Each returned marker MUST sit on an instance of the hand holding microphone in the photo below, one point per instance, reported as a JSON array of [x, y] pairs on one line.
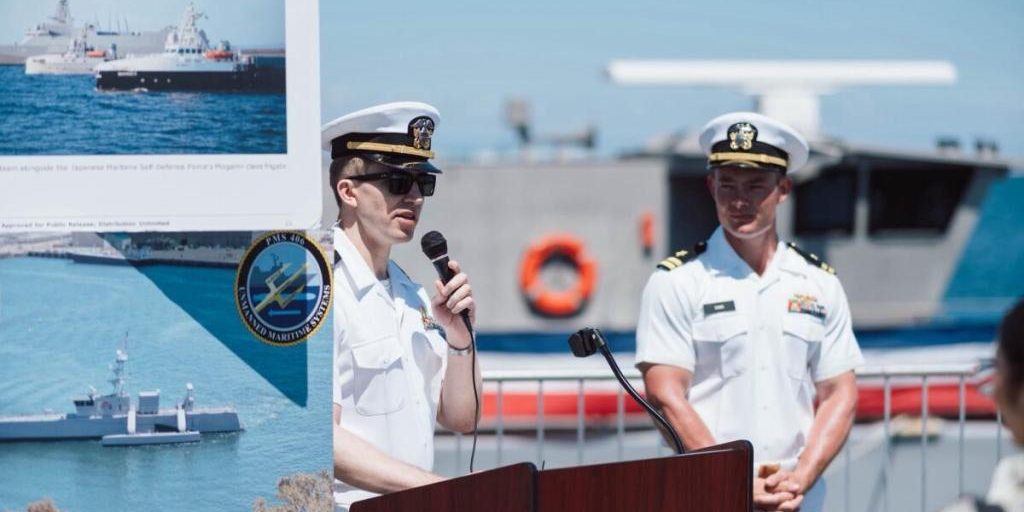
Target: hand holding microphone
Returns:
[[454, 296]]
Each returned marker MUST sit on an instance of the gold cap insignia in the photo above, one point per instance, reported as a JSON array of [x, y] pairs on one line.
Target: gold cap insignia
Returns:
[[742, 136], [421, 129]]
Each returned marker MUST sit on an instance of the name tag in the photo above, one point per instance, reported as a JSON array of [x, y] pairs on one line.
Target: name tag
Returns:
[[719, 307]]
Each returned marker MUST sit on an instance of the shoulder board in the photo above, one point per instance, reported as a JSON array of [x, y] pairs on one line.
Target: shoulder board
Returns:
[[680, 258], [813, 259]]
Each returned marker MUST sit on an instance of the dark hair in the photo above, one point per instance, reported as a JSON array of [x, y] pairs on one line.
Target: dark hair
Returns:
[[1011, 350]]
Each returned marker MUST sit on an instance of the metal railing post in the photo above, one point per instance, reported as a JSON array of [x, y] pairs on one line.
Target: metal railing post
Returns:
[[846, 476], [540, 423], [500, 429], [999, 435], [579, 424], [924, 443], [963, 419], [620, 422], [458, 453], [887, 426]]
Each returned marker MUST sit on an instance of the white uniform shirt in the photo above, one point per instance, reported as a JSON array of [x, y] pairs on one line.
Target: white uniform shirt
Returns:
[[388, 365], [755, 344]]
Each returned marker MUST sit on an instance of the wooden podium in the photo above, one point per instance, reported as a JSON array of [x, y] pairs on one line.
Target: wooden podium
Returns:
[[718, 478]]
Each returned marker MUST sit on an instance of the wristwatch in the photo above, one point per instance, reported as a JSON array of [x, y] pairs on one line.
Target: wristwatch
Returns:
[[455, 351]]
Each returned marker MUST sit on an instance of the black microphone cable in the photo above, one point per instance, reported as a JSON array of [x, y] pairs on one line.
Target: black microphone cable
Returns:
[[435, 247], [476, 396]]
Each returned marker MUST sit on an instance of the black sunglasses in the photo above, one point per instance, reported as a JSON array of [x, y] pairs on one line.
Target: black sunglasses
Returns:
[[400, 182]]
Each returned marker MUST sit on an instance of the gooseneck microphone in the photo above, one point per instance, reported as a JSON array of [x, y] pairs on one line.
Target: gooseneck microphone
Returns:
[[585, 342], [436, 248]]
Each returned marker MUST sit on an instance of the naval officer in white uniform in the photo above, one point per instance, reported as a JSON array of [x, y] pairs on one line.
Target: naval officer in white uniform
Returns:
[[401, 360], [737, 336]]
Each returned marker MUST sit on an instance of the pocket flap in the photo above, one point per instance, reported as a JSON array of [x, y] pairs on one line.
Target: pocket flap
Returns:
[[718, 330], [804, 327], [379, 354]]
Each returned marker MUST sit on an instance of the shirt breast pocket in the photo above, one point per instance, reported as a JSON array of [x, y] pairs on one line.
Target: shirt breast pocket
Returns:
[[378, 377], [801, 338], [719, 345]]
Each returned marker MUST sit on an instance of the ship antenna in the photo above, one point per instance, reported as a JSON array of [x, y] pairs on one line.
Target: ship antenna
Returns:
[[118, 380], [62, 13]]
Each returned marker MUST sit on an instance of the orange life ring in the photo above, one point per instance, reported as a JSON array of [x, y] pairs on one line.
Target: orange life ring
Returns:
[[561, 303]]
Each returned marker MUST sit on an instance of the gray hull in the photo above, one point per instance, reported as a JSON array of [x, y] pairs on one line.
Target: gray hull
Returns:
[[152, 438], [61, 426]]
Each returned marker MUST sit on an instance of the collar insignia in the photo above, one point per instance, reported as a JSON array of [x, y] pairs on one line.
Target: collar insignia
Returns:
[[428, 321], [806, 304], [742, 136], [421, 130]]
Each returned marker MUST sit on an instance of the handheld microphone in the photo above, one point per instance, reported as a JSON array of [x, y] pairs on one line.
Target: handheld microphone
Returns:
[[585, 342], [436, 248]]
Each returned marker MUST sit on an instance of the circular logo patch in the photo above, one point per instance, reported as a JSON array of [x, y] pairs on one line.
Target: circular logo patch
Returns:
[[283, 288]]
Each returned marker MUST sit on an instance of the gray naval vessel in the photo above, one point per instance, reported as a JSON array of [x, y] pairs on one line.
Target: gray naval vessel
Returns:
[[55, 34], [116, 421]]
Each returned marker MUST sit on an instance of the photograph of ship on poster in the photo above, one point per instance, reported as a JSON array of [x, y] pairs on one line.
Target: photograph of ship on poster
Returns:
[[132, 384], [201, 78]]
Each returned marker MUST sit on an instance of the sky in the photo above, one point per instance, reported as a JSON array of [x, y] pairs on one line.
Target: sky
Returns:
[[468, 57], [263, 19]]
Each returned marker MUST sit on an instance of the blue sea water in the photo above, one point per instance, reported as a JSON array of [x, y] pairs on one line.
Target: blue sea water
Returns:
[[60, 323], [66, 115]]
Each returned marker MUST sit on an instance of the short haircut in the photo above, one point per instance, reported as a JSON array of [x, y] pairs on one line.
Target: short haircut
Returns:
[[1011, 351], [342, 167]]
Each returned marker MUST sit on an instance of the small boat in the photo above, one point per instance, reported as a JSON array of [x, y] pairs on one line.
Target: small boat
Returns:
[[189, 63], [222, 53], [79, 59], [116, 420]]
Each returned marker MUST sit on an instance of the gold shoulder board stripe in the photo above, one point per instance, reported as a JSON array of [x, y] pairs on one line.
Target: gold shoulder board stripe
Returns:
[[681, 258], [811, 258], [673, 261]]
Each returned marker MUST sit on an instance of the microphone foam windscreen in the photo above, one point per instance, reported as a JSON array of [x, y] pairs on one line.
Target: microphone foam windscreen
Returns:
[[434, 245], [582, 343]]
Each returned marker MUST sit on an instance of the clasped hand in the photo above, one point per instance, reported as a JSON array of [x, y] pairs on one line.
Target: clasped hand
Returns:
[[781, 491]]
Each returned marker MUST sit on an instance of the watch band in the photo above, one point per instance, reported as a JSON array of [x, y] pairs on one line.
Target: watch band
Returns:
[[465, 351], [453, 351]]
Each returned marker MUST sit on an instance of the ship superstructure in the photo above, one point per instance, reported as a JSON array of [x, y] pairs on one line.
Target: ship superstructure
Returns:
[[189, 63], [79, 59], [59, 30]]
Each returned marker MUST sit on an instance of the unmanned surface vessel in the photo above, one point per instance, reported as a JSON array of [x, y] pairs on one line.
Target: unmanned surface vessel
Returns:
[[115, 420]]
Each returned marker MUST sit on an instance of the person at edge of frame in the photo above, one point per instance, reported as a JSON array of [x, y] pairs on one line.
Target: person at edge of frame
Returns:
[[401, 360], [738, 335], [1006, 491]]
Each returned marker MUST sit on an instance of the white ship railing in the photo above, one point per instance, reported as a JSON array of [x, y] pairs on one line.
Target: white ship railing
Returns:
[[960, 373]]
